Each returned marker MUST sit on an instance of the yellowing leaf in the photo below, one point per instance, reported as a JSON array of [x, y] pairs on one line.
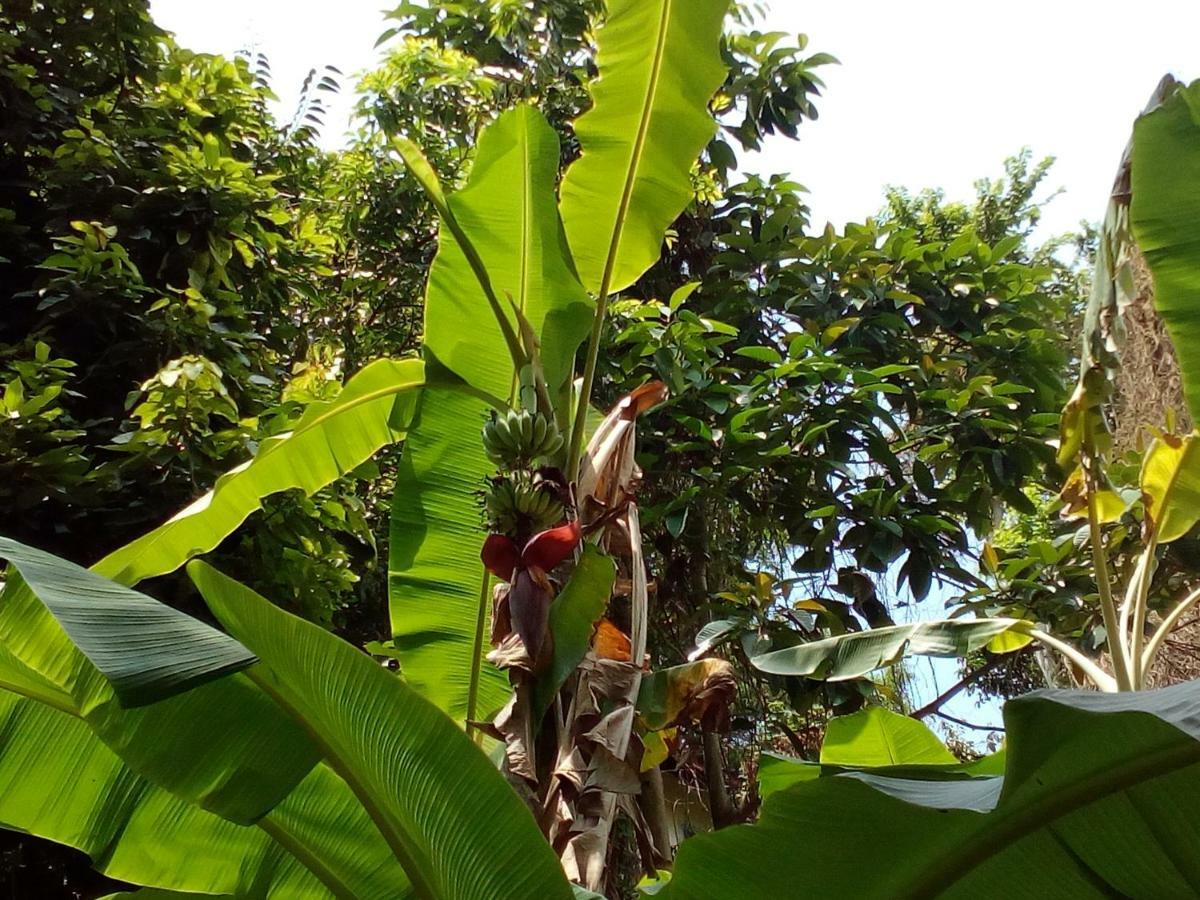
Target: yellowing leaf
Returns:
[[1170, 483]]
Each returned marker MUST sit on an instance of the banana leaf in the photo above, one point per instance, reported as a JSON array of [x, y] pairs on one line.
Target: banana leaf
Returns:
[[223, 745], [60, 782], [330, 439], [660, 64], [1100, 797], [1170, 483], [450, 818], [101, 617], [857, 653], [508, 211], [1164, 212], [438, 588]]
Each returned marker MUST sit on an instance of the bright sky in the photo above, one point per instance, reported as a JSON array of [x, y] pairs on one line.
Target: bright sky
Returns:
[[930, 93]]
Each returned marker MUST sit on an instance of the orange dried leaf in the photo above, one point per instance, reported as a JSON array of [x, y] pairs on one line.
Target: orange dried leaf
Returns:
[[610, 642]]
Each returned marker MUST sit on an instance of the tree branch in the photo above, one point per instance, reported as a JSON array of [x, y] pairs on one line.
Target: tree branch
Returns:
[[934, 705]]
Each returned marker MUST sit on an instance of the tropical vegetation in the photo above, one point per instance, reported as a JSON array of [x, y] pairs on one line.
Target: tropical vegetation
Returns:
[[653, 463]]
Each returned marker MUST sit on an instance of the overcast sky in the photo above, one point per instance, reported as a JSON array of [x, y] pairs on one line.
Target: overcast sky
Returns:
[[930, 93]]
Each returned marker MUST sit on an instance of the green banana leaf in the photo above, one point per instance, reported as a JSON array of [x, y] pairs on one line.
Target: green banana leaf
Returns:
[[1170, 483], [507, 215], [573, 617], [508, 210], [1163, 214], [176, 652], [660, 64], [1100, 798], [880, 737], [332, 438], [59, 782], [223, 745], [450, 818], [439, 591], [857, 653]]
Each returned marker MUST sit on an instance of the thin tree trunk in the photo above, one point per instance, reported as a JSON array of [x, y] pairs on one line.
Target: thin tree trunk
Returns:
[[653, 802], [719, 803]]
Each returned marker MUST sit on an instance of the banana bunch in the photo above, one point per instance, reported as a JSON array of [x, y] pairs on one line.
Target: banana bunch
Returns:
[[520, 436], [517, 505]]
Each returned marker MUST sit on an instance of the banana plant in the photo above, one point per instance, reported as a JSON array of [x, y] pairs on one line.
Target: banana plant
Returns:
[[295, 765]]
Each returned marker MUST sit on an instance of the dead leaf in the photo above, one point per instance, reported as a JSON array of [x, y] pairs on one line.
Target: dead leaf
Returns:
[[610, 642]]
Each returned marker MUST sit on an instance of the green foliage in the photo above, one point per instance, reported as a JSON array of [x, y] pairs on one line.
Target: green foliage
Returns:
[[1165, 200], [414, 771], [157, 228], [1056, 822]]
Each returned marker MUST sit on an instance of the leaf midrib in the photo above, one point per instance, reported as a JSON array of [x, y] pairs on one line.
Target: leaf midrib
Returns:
[[1001, 832]]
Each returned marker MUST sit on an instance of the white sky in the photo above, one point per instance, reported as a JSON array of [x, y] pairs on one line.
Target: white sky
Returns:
[[930, 93]]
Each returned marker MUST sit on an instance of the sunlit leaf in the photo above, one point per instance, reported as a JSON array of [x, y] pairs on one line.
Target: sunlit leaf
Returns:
[[450, 818], [659, 66], [1170, 483], [332, 438]]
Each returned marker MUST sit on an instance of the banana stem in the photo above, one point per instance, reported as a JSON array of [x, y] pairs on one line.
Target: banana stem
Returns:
[[1139, 589], [1101, 679], [1163, 632], [575, 447], [1112, 626]]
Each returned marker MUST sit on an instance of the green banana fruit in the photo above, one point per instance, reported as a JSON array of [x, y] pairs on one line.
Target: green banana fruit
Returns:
[[516, 505], [518, 437]]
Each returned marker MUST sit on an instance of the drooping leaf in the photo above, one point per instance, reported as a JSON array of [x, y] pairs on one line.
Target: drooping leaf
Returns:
[[60, 782], [573, 615], [698, 691], [1163, 213], [223, 744], [659, 65], [1170, 484], [857, 653], [438, 588], [450, 818], [880, 737], [332, 438], [146, 650], [1099, 798], [509, 213]]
